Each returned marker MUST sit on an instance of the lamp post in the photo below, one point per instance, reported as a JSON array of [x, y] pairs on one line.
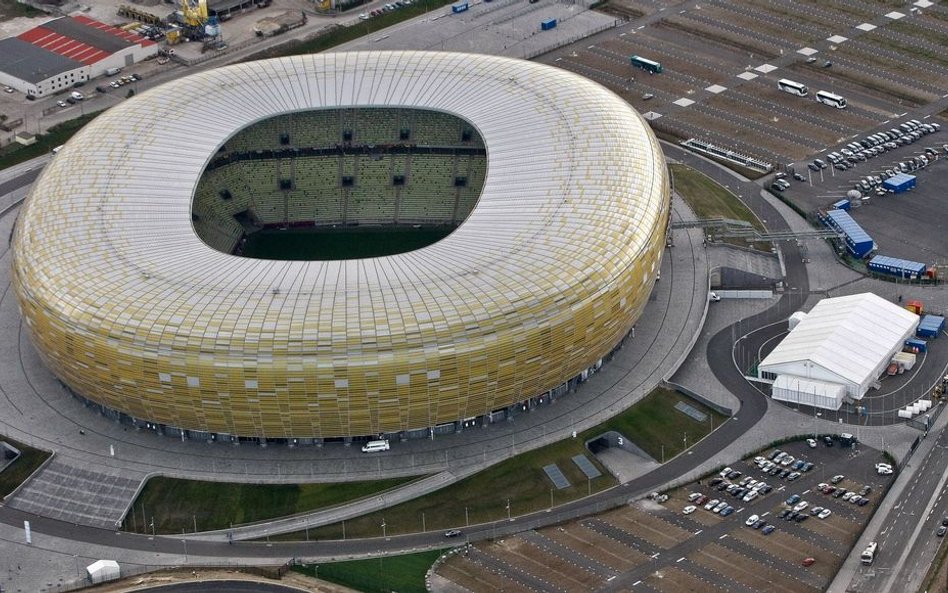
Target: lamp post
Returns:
[[383, 527], [508, 510]]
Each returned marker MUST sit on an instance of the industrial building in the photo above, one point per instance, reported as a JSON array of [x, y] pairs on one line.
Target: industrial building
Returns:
[[65, 51], [837, 351]]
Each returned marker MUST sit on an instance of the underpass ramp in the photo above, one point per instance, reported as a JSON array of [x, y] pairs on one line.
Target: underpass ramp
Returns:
[[78, 495]]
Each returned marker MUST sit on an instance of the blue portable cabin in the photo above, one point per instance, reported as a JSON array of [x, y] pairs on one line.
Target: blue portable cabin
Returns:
[[842, 205], [459, 7], [899, 183], [858, 241], [930, 326], [547, 24], [893, 266], [916, 345]]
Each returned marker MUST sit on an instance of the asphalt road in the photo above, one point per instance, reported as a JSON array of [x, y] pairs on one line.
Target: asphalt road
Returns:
[[221, 586]]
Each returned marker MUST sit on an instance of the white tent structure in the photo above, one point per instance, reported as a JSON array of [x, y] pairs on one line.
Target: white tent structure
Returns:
[[101, 571], [844, 342]]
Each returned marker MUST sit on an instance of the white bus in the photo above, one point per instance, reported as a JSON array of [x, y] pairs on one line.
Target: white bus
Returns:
[[792, 87], [830, 99], [373, 446], [869, 554]]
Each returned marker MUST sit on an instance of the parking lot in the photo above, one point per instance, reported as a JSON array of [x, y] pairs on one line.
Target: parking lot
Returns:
[[662, 545], [721, 62]]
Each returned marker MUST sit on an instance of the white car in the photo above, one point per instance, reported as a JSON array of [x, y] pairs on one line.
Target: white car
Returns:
[[884, 471], [711, 504], [62, 104], [694, 496], [787, 460], [801, 506], [751, 520], [721, 506], [811, 443], [848, 496], [750, 496], [724, 472], [688, 509], [363, 17], [825, 513]]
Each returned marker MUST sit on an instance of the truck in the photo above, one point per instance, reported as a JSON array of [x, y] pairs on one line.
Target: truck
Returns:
[[112, 71]]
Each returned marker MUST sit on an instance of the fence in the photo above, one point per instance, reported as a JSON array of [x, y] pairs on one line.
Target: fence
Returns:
[[567, 41]]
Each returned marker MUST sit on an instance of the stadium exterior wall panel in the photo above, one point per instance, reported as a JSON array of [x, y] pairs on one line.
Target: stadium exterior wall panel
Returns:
[[549, 272]]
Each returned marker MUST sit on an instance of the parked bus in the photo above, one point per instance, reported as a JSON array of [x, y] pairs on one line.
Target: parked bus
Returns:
[[830, 99], [869, 554], [645, 64], [792, 87]]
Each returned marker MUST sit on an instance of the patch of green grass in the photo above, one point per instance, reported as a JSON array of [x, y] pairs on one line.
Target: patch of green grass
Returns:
[[338, 34], [657, 427], [176, 504], [405, 574], [16, 473], [652, 424], [707, 198], [320, 244], [13, 154]]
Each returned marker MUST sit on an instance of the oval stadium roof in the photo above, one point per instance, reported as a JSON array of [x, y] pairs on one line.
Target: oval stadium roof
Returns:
[[547, 273]]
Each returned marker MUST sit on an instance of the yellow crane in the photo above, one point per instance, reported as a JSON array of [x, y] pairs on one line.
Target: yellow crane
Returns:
[[194, 12]]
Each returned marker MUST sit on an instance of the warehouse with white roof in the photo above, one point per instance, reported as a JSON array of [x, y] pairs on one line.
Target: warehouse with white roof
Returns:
[[838, 350]]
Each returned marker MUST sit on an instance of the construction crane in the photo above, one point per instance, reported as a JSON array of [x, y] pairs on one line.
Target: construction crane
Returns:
[[194, 12]]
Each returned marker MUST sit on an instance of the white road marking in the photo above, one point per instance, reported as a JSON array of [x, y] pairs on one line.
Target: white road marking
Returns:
[[723, 536], [636, 583], [679, 560], [699, 532]]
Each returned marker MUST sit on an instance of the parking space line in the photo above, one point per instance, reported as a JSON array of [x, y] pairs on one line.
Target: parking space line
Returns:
[[699, 532], [636, 583], [679, 560], [723, 536]]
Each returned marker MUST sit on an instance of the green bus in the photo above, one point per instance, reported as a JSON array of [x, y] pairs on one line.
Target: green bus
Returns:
[[646, 64]]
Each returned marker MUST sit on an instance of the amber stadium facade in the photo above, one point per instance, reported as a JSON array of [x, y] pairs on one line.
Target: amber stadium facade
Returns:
[[127, 278]]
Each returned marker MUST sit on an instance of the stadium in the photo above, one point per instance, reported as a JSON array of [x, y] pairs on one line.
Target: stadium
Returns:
[[535, 205]]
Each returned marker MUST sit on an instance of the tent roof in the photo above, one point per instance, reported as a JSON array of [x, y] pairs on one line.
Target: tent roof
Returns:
[[100, 565], [849, 336]]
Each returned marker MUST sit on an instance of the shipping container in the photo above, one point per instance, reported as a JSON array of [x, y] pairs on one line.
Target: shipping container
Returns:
[[858, 241], [842, 205], [893, 266], [905, 359], [459, 7], [547, 24], [916, 345], [899, 183], [930, 326]]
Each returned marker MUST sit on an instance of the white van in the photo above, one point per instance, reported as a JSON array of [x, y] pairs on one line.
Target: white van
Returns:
[[373, 446], [77, 95], [112, 71]]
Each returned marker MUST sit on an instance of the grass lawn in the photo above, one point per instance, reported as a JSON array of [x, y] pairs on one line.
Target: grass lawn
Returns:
[[176, 504], [654, 423], [405, 574], [17, 472], [17, 153], [319, 244], [707, 198], [651, 424]]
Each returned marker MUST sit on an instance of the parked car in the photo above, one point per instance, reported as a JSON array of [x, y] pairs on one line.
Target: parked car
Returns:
[[824, 513], [811, 443], [751, 520], [768, 529], [941, 531], [728, 510], [801, 506], [837, 479], [808, 561], [452, 533], [794, 499], [689, 509]]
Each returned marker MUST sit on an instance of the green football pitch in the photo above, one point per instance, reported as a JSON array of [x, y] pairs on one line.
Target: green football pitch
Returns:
[[311, 244]]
